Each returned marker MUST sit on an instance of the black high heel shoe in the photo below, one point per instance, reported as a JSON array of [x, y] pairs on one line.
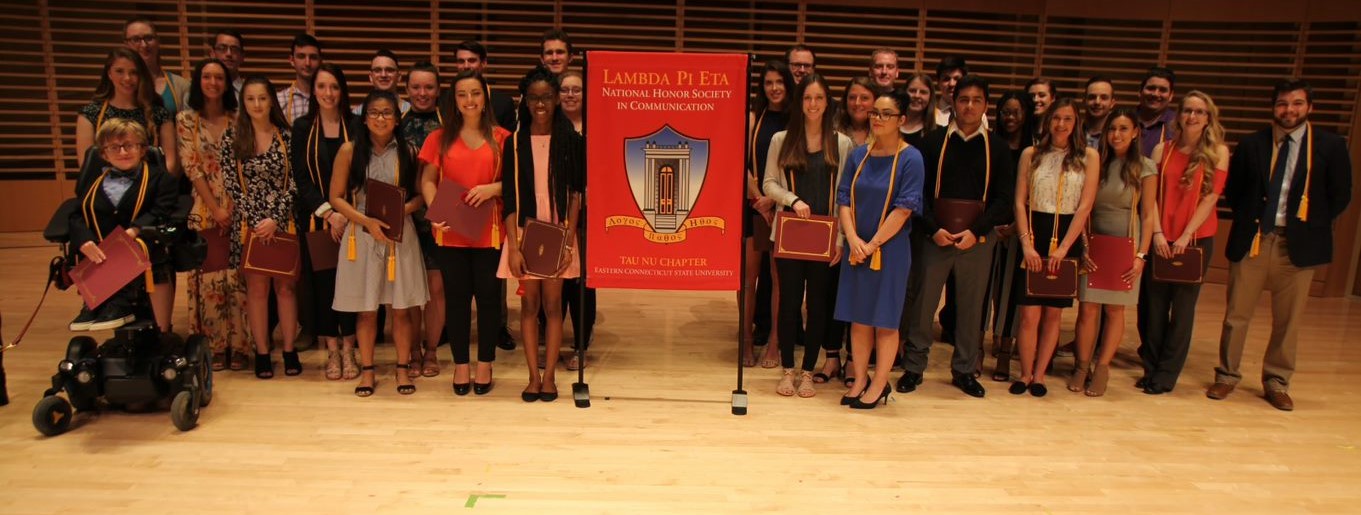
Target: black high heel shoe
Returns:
[[365, 391], [482, 388], [264, 366], [883, 398], [462, 389], [404, 389], [292, 365]]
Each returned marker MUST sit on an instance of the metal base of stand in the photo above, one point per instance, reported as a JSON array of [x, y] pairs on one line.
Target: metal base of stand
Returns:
[[739, 402], [581, 395]]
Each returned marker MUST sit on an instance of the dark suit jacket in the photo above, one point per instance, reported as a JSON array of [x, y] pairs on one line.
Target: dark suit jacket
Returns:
[[1310, 243], [161, 195], [503, 109]]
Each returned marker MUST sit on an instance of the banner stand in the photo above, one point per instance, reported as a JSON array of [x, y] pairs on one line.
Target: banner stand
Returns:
[[581, 392], [739, 396]]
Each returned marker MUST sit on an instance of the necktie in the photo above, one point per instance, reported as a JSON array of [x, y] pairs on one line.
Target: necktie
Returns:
[[1273, 192]]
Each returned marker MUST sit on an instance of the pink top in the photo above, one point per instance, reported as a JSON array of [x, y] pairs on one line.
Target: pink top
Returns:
[[1179, 203], [543, 210]]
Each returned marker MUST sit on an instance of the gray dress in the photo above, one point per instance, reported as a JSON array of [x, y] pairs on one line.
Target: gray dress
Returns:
[[1111, 217], [362, 284]]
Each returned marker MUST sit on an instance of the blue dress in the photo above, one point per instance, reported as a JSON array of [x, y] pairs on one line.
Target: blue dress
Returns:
[[864, 296]]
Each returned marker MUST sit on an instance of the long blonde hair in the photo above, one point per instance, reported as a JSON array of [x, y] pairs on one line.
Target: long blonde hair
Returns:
[[1206, 152]]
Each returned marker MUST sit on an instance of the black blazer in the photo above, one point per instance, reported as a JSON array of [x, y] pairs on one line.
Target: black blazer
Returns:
[[162, 193], [563, 182], [1001, 192], [503, 109], [310, 194], [1310, 243]]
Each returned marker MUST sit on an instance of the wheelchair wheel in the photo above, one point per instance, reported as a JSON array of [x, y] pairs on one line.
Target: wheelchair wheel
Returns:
[[52, 415], [184, 411], [80, 348], [201, 377]]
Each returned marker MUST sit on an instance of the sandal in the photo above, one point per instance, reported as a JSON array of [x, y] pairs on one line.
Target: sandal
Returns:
[[430, 363], [824, 376], [333, 365], [349, 369], [786, 386], [405, 389], [237, 361], [805, 389], [365, 391], [219, 361], [573, 363], [416, 357], [264, 366], [292, 366]]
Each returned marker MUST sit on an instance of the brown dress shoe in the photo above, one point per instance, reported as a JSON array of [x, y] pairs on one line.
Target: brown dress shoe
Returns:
[[1280, 400], [1219, 391]]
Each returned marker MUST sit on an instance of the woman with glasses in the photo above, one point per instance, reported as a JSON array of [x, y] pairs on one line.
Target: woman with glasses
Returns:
[[880, 187], [1056, 186], [768, 116], [255, 152], [574, 106], [217, 300], [1014, 124], [1124, 206], [378, 271], [139, 34], [126, 91], [543, 179], [1192, 170], [318, 136], [467, 150]]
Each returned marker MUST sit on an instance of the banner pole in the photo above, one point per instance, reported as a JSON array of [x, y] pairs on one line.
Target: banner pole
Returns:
[[739, 396], [581, 392]]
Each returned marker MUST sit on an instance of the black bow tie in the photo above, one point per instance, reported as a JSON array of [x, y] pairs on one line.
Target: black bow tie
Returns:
[[122, 174]]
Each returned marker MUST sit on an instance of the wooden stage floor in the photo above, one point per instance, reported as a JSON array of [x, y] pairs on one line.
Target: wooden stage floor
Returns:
[[659, 437]]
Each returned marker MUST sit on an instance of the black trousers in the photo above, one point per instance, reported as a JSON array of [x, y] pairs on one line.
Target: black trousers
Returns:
[[471, 274], [571, 296], [764, 292], [1167, 315], [796, 277]]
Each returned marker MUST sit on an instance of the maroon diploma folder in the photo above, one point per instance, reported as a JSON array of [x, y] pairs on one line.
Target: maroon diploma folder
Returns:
[[387, 203], [219, 248], [322, 251], [1186, 268], [124, 260], [1061, 285], [277, 258], [542, 244], [956, 215], [808, 239], [1113, 256], [449, 208]]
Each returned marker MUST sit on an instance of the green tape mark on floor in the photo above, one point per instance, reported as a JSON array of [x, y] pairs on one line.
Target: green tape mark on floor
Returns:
[[472, 499]]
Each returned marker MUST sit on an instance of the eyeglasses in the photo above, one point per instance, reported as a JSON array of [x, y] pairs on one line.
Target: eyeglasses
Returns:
[[883, 115], [570, 91], [800, 66], [1195, 112], [383, 70], [122, 148], [227, 49], [540, 99], [141, 40], [386, 114]]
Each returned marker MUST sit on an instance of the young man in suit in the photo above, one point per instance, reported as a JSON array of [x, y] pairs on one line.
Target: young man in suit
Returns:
[[1286, 186]]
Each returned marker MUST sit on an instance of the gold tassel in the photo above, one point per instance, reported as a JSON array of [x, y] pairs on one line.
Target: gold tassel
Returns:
[[877, 260], [1053, 245], [245, 233], [350, 252], [1303, 213], [1256, 244], [150, 280], [392, 262], [292, 228], [439, 238], [495, 235]]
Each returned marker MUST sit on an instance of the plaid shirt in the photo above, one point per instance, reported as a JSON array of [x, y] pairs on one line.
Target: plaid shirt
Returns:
[[298, 107]]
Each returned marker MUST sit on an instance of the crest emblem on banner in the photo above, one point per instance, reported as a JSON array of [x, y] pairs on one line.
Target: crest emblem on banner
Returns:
[[666, 172]]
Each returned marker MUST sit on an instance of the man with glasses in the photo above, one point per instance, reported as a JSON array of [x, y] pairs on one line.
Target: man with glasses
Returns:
[[229, 47], [139, 34], [1155, 109], [384, 75], [967, 192], [949, 70], [1100, 101], [472, 56], [304, 55], [883, 69], [801, 62], [1287, 185]]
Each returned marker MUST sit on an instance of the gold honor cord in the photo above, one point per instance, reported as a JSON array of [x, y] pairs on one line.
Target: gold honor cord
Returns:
[[155, 134], [987, 170], [1162, 171], [313, 157], [241, 178], [1303, 212], [756, 133], [87, 211], [1058, 206], [876, 260]]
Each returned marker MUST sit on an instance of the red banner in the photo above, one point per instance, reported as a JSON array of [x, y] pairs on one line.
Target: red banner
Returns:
[[665, 148]]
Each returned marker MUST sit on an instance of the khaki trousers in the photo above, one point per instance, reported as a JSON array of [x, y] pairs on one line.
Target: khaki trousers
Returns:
[[1289, 286]]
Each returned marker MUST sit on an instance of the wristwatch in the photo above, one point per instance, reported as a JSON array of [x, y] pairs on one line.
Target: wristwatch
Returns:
[[1142, 256]]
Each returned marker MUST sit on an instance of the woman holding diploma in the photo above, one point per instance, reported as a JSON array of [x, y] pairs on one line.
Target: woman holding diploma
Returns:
[[373, 269], [801, 176], [467, 151], [880, 187], [543, 163]]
